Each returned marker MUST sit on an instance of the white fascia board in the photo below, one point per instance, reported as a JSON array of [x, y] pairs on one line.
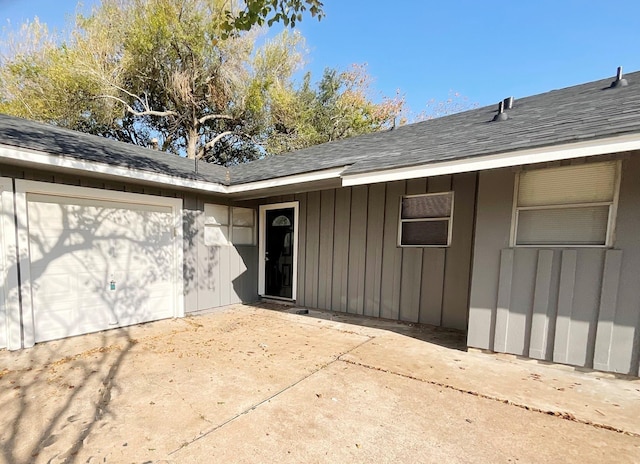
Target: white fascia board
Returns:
[[515, 158], [288, 180], [42, 159], [38, 158]]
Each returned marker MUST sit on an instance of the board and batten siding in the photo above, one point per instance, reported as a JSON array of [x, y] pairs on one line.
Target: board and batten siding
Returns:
[[349, 259], [571, 305], [213, 276]]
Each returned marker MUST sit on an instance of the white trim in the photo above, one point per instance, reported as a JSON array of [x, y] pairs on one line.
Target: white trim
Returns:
[[10, 269], [22, 226], [261, 246], [44, 159], [515, 158], [25, 187], [314, 176], [613, 211]]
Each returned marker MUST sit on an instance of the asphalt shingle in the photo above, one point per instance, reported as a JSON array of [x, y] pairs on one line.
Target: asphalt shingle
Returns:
[[22, 133], [579, 113], [584, 112]]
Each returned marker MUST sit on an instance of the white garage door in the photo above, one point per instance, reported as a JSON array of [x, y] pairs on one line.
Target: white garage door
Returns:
[[98, 264]]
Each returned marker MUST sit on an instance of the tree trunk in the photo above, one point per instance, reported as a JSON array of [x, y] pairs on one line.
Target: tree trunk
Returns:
[[192, 142]]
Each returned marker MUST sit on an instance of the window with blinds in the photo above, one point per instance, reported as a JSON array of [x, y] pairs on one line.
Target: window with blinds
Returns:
[[225, 226], [566, 206], [216, 225], [425, 220], [243, 231]]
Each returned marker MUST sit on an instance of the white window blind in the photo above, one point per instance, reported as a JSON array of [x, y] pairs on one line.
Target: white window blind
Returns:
[[243, 227], [587, 183], [569, 205], [425, 220], [216, 225]]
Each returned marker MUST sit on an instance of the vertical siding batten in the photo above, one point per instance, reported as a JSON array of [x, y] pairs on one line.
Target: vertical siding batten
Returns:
[[584, 315], [357, 250], [625, 347], [312, 249], [607, 310], [541, 306], [325, 259], [521, 307], [492, 234], [341, 249], [565, 305], [504, 300], [432, 286], [411, 273], [391, 253], [455, 302], [373, 257]]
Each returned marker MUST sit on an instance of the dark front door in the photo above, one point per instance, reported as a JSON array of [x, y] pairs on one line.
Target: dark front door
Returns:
[[278, 258]]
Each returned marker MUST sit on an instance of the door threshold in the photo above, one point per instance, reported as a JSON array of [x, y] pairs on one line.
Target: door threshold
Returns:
[[278, 299]]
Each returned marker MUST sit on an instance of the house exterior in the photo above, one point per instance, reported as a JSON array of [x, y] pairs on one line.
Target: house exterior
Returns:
[[520, 226]]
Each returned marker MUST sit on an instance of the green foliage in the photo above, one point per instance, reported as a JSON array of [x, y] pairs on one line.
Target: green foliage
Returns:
[[289, 12], [187, 73], [341, 105]]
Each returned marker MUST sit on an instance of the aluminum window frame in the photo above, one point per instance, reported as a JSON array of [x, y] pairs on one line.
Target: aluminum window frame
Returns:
[[449, 220], [611, 219]]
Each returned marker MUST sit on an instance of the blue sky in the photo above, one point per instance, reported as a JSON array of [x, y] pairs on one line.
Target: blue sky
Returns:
[[485, 50]]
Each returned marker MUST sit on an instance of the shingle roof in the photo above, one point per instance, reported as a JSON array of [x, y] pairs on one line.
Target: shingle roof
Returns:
[[580, 113], [583, 112], [54, 140]]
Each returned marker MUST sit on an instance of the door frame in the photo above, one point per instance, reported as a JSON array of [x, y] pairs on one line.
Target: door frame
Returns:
[[261, 247]]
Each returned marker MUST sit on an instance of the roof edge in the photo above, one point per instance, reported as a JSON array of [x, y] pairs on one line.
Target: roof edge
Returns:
[[617, 144], [14, 154], [39, 158]]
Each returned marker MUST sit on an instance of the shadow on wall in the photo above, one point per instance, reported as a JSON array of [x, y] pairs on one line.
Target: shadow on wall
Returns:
[[215, 276], [76, 251]]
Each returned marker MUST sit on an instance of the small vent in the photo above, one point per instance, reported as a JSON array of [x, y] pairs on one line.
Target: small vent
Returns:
[[508, 103], [501, 116], [620, 81]]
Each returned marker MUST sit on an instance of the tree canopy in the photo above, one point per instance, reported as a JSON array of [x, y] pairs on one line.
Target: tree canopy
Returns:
[[188, 73]]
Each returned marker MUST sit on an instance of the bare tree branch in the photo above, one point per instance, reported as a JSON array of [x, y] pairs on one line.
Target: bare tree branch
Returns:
[[213, 141], [146, 112], [204, 119]]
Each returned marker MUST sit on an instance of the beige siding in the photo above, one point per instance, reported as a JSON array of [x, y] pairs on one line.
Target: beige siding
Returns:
[[578, 306], [349, 259]]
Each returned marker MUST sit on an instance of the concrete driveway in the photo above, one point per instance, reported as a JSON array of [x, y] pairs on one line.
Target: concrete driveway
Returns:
[[251, 384]]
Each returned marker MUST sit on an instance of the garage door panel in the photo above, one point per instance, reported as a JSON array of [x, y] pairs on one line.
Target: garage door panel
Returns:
[[78, 246]]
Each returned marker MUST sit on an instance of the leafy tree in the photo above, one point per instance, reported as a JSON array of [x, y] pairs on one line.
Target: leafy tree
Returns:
[[153, 68], [187, 73], [256, 12], [341, 105]]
